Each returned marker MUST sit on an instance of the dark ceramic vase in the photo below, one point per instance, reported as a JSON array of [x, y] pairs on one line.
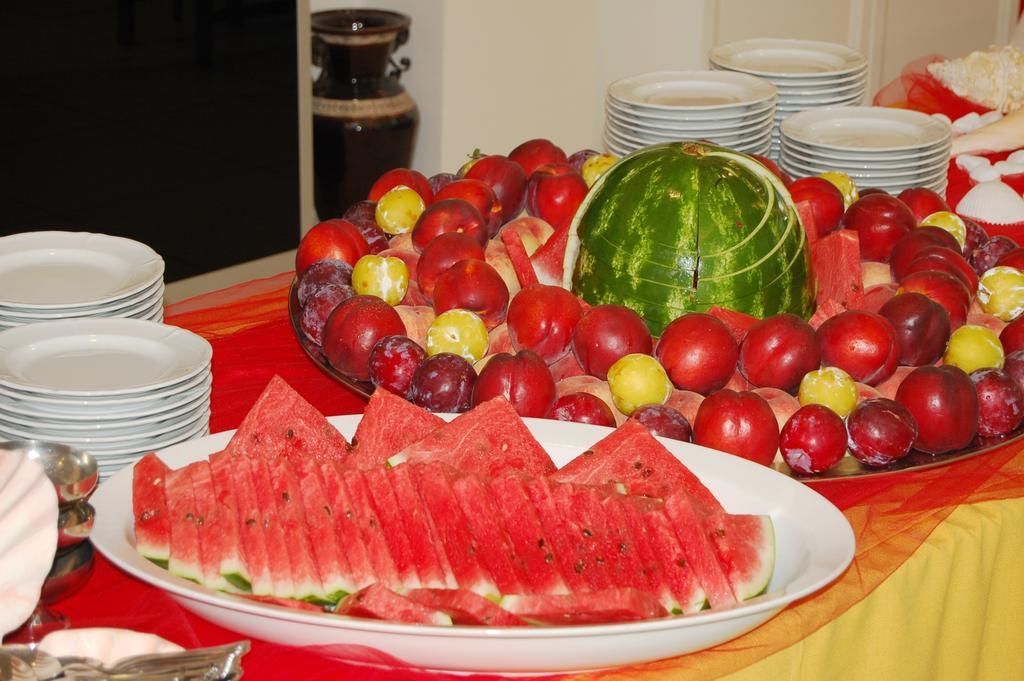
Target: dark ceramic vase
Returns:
[[364, 122]]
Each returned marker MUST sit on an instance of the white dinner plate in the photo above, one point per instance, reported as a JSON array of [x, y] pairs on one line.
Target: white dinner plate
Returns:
[[41, 270], [866, 127], [725, 139], [942, 148], [770, 57], [923, 177], [15, 413], [111, 407], [691, 114], [99, 357], [139, 310], [691, 90], [802, 103], [932, 159], [150, 293], [835, 89], [104, 441], [810, 83], [814, 543], [631, 123]]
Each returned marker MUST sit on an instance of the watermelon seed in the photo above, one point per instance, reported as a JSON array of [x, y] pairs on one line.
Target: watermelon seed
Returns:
[[348, 513], [287, 497], [289, 434], [327, 510], [266, 523], [681, 562], [199, 521], [189, 517], [578, 567], [599, 560], [373, 523], [638, 465], [540, 543], [587, 533], [720, 531], [147, 515], [549, 558], [250, 522], [623, 548]]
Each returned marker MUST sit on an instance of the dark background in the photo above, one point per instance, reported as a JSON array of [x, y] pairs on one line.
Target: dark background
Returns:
[[178, 129]]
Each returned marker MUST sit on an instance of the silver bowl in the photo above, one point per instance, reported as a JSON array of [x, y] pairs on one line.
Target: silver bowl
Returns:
[[74, 472]]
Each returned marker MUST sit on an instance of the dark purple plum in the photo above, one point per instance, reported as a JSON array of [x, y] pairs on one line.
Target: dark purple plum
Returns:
[[337, 272], [319, 307], [664, 421], [1000, 402], [985, 256], [580, 157], [976, 236], [440, 181], [362, 214], [393, 363], [444, 383], [881, 431]]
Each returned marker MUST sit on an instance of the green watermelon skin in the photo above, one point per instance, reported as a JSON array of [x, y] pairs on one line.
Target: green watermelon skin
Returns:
[[530, 541], [684, 226], [149, 506], [488, 530], [389, 424], [332, 564], [184, 559], [251, 535]]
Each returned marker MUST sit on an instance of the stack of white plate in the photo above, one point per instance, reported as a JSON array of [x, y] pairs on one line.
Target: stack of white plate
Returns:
[[807, 73], [731, 109], [891, 149], [117, 388], [68, 275]]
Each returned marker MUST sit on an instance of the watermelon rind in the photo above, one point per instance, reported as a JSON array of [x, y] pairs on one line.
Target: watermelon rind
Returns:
[[746, 548], [683, 226], [149, 506]]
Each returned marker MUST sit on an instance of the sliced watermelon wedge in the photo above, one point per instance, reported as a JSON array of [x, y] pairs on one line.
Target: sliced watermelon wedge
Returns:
[[837, 268], [233, 565], [700, 552], [529, 539], [630, 455], [292, 512], [629, 531], [329, 556], [184, 559], [251, 535], [451, 525], [149, 506], [488, 531], [466, 607], [745, 546], [561, 537], [389, 514], [278, 555], [378, 602], [389, 424], [283, 424], [346, 527], [431, 561], [592, 554], [609, 605], [737, 322], [384, 569], [548, 259], [208, 528], [689, 594], [517, 255], [490, 439]]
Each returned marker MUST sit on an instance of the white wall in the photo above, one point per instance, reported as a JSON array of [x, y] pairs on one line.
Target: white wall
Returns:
[[491, 74]]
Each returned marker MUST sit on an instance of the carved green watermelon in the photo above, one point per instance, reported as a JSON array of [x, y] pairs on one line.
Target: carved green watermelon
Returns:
[[684, 226]]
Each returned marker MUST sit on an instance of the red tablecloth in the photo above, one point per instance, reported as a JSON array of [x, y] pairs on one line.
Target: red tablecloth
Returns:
[[252, 340]]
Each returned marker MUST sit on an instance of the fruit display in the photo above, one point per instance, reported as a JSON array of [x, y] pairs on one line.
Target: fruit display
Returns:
[[694, 289], [435, 522]]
